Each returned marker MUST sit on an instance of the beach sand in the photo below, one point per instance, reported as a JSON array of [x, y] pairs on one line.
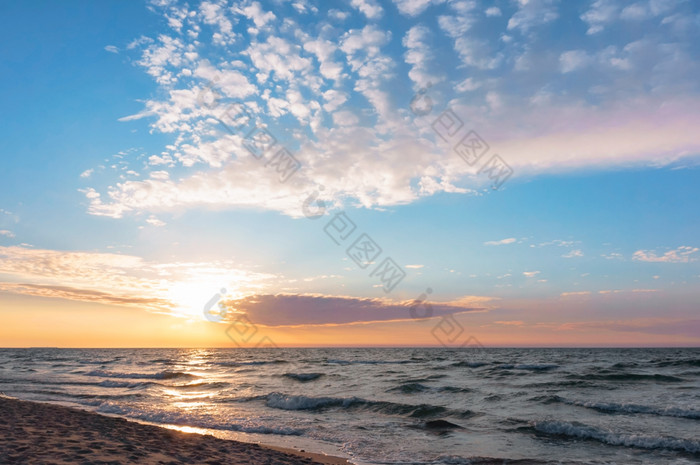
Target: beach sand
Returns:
[[35, 433]]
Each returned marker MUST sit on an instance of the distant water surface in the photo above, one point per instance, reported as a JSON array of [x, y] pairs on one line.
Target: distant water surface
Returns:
[[390, 406]]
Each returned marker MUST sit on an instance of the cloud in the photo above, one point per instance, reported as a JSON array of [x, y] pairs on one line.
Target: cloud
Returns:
[[601, 13], [618, 291], [111, 49], [493, 11], [418, 56], [153, 221], [86, 295], [255, 12], [613, 256], [509, 240], [87, 173], [337, 98], [573, 60], [531, 14], [683, 254], [530, 274], [296, 309], [510, 323], [414, 266], [575, 294], [7, 233], [179, 288], [414, 7], [573, 254], [369, 8]]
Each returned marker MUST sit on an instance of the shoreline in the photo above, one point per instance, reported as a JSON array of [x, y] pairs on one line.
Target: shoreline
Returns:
[[40, 432]]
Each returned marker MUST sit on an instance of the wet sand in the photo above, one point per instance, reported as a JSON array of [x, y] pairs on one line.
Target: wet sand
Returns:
[[35, 433]]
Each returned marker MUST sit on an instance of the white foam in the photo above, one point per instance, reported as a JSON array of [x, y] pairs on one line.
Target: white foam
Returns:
[[578, 430]]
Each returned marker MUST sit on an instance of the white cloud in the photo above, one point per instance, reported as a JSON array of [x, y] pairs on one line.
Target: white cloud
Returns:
[[530, 274], [324, 51], [573, 254], [414, 7], [369, 8], [153, 221], [493, 11], [354, 128], [255, 12], [531, 14], [467, 85], [573, 60], [418, 55], [87, 173], [7, 233], [601, 13], [414, 267], [636, 12], [509, 240], [333, 99], [683, 254], [111, 49], [613, 256], [160, 175], [345, 118]]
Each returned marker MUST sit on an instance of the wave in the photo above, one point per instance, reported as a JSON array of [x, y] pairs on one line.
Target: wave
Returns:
[[409, 388], [412, 388], [527, 366], [291, 402], [178, 418], [679, 363], [125, 384], [160, 375], [201, 385], [303, 377], [611, 407], [630, 377], [369, 362], [642, 441], [469, 364], [251, 363]]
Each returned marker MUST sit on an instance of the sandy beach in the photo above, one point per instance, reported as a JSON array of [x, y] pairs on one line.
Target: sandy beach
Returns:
[[34, 433]]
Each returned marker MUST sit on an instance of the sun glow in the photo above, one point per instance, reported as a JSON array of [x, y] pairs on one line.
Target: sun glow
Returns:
[[194, 298]]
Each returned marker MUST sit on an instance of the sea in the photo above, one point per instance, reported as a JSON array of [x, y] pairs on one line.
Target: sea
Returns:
[[393, 406]]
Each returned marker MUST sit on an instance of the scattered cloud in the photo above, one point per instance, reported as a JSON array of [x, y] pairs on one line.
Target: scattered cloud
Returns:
[[509, 240], [683, 254], [510, 323], [575, 294], [613, 256], [332, 96], [530, 274], [573, 254], [414, 267], [493, 11], [87, 173], [369, 8], [153, 221], [111, 49], [7, 233]]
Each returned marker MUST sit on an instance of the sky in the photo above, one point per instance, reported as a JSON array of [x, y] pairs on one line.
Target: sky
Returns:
[[350, 173]]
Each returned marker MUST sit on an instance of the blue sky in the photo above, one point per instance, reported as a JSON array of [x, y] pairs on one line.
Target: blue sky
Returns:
[[121, 187]]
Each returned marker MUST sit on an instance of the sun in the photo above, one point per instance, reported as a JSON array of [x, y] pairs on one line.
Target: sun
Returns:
[[198, 299]]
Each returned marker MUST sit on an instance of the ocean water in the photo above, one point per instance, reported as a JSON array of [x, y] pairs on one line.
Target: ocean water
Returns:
[[391, 406]]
